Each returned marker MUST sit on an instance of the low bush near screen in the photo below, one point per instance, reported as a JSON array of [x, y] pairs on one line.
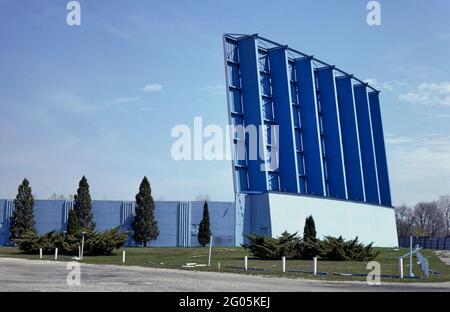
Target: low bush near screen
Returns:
[[95, 243], [293, 247]]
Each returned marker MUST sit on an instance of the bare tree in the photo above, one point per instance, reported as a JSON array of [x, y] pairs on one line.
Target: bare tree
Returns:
[[202, 197], [57, 196], [428, 219], [405, 219], [444, 207]]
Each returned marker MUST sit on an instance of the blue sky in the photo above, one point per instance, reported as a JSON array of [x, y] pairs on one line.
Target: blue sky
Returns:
[[74, 101]]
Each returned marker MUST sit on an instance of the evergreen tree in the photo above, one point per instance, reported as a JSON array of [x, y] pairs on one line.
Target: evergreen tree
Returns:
[[309, 232], [72, 223], [144, 224], [22, 220], [204, 231], [83, 206]]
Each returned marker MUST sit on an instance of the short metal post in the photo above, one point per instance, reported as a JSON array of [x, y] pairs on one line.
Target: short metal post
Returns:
[[410, 257], [400, 266], [40, 253], [79, 252], [218, 266], [245, 263], [123, 256], [283, 264], [315, 265], [82, 247], [56, 253], [209, 254]]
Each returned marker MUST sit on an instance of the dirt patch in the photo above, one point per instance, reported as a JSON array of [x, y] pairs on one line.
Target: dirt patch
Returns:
[[444, 255]]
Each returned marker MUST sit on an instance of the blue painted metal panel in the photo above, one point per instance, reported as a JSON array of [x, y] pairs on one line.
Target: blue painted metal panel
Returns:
[[50, 215], [380, 150], [251, 95], [310, 127], [281, 95], [107, 213], [366, 143], [350, 138], [222, 218], [166, 214], [5, 218], [331, 133], [184, 224]]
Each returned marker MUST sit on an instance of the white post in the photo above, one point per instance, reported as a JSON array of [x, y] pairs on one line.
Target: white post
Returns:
[[245, 263], [315, 265], [82, 247], [218, 266], [209, 255], [123, 256], [411, 274], [283, 264], [400, 266], [56, 253], [40, 253]]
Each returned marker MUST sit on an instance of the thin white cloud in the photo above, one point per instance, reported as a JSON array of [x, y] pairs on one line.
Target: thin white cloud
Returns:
[[69, 102], [444, 36], [390, 86], [71, 141], [153, 87], [218, 89], [419, 167], [121, 100], [118, 32], [414, 158], [430, 94]]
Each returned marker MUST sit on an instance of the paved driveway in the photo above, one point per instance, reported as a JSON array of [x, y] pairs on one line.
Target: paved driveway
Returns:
[[33, 275]]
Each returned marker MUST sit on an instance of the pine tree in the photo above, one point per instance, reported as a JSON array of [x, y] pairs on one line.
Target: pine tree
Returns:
[[144, 225], [83, 206], [309, 232], [204, 231], [72, 223], [22, 220]]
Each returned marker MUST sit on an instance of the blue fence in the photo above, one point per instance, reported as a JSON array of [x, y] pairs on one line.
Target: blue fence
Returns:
[[427, 242], [178, 222]]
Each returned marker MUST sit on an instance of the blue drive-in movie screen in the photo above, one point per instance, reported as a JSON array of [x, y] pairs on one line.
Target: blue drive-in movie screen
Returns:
[[225, 154]]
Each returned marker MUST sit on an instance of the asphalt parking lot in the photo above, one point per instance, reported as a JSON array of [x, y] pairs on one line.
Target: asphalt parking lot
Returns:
[[33, 275]]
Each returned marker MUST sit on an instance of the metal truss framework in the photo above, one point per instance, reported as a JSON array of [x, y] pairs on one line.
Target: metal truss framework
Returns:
[[331, 139]]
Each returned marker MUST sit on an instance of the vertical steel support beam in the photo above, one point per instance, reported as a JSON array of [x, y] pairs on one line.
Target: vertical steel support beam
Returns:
[[332, 133], [281, 95], [231, 59], [380, 149], [366, 141], [252, 103], [350, 138], [310, 127]]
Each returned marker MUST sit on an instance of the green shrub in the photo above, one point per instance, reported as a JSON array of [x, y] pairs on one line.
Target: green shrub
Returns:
[[30, 242], [95, 243], [338, 249], [104, 243], [292, 247], [265, 247]]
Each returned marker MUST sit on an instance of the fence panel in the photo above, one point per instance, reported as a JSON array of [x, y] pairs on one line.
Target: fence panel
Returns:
[[427, 242]]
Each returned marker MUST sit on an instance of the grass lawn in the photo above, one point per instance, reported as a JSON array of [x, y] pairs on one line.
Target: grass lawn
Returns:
[[231, 260]]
